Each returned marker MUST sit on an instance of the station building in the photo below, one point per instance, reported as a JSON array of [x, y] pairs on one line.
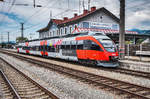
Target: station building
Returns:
[[94, 20]]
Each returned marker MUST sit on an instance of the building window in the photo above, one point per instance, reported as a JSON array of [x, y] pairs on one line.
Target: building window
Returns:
[[50, 34], [101, 18], [61, 31], [53, 33], [65, 30], [70, 28], [47, 34], [39, 35], [57, 32]]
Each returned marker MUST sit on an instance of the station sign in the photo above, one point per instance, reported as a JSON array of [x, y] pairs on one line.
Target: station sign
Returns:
[[97, 25]]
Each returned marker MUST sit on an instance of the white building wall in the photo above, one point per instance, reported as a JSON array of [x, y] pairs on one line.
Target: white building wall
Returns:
[[99, 17]]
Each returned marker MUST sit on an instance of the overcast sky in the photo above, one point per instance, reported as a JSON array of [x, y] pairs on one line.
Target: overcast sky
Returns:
[[137, 14]]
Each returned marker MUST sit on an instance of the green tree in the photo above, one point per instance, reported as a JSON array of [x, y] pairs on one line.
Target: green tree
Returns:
[[139, 41], [20, 39]]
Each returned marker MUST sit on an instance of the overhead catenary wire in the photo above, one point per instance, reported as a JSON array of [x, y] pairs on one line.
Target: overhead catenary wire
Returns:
[[9, 9], [38, 11]]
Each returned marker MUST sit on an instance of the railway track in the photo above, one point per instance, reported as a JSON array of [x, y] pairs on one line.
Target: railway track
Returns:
[[7, 90], [129, 72], [117, 70], [24, 86], [126, 89]]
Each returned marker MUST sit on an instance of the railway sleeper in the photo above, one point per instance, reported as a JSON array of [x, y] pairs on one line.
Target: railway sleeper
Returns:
[[146, 94], [138, 90]]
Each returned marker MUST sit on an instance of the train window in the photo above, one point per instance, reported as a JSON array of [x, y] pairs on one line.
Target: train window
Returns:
[[41, 48], [87, 44], [48, 48], [80, 47], [53, 49], [19, 47], [37, 48], [95, 46], [80, 42], [67, 46], [73, 47], [57, 48], [34, 48], [62, 46], [108, 45]]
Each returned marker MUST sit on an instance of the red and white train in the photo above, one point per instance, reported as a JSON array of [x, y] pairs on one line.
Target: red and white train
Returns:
[[87, 48]]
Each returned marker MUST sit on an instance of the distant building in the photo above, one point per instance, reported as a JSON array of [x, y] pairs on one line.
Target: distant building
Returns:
[[94, 20]]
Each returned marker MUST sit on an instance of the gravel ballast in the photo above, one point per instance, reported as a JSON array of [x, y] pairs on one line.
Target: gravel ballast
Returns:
[[68, 88], [62, 86]]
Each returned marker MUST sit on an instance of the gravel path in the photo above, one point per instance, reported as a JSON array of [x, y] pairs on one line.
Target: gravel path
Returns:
[[62, 86]]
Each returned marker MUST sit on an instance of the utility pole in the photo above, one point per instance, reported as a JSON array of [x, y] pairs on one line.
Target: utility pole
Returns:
[[122, 30], [79, 5], [8, 37], [89, 1], [34, 3], [50, 15], [68, 4], [22, 28], [2, 40], [1, 37], [83, 5]]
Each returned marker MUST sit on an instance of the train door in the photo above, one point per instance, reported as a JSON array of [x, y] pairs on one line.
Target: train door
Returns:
[[45, 48], [42, 48], [81, 54], [87, 45]]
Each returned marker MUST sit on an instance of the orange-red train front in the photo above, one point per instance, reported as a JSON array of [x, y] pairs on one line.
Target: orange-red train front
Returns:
[[98, 50]]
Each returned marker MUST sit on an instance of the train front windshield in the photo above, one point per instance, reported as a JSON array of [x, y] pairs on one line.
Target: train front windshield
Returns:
[[108, 45]]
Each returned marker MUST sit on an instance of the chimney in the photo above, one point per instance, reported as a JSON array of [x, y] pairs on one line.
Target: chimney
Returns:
[[75, 15], [85, 11], [65, 18], [93, 8]]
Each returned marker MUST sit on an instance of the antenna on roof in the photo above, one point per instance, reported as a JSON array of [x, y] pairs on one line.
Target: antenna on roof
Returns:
[[79, 5], [68, 4], [50, 14], [83, 5], [89, 1]]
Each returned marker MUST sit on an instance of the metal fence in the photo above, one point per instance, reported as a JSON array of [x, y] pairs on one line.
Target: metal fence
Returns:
[[136, 50]]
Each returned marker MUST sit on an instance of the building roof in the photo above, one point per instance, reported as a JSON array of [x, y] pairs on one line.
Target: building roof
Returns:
[[78, 17], [56, 21], [88, 14]]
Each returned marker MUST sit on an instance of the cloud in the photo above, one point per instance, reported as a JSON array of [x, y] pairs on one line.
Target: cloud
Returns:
[[137, 16]]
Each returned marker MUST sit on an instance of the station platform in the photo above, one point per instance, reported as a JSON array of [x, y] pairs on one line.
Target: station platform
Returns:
[[138, 58], [136, 63]]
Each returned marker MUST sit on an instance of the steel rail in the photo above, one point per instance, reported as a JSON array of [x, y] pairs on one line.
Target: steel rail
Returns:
[[35, 83], [15, 93]]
